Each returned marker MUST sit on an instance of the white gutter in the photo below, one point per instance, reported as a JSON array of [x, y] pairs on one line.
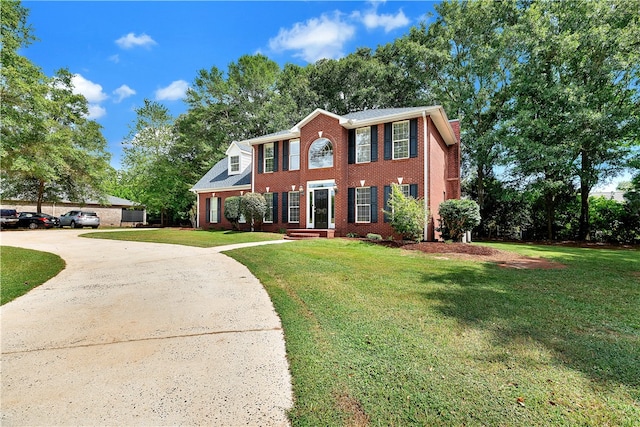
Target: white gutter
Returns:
[[425, 129]]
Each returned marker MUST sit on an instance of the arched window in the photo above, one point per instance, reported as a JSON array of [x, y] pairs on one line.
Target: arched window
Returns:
[[321, 154]]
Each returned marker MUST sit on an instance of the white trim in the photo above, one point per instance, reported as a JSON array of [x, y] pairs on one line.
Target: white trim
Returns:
[[221, 189]]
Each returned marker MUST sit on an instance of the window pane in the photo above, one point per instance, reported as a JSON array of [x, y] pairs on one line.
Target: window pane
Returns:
[[401, 140], [294, 206], [363, 145], [213, 212], [268, 157], [268, 216], [235, 163], [363, 204], [321, 154], [294, 155]]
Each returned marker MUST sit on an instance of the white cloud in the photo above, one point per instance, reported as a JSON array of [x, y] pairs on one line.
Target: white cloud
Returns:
[[123, 92], [372, 20], [131, 40], [90, 90], [96, 111], [316, 38], [114, 58], [176, 90]]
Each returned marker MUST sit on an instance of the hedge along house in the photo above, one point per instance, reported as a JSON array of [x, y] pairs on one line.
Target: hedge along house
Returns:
[[334, 173]]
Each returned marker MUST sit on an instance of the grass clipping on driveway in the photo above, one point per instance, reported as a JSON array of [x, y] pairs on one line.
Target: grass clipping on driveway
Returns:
[[384, 336], [24, 269]]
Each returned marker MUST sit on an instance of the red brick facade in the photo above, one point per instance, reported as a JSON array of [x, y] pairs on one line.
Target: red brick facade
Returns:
[[442, 174]]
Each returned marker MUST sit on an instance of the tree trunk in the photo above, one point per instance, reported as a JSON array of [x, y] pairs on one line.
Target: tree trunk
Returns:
[[550, 209], [40, 196], [584, 228]]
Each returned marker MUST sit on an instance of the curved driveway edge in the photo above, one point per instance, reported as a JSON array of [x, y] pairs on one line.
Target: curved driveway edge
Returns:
[[133, 333]]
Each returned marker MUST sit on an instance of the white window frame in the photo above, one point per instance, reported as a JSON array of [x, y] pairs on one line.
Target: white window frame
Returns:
[[234, 164], [363, 206], [269, 160], [213, 210], [399, 140], [294, 156], [268, 216], [363, 145], [326, 143], [292, 208]]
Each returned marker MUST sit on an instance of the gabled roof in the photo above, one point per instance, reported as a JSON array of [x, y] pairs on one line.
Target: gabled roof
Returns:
[[368, 118], [243, 146], [218, 179]]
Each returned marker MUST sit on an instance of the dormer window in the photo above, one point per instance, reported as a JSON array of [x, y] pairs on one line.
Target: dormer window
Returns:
[[234, 164]]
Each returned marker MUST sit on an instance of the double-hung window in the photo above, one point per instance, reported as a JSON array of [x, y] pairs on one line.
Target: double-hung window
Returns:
[[294, 206], [363, 204], [234, 164], [269, 154], [268, 216], [401, 140], [294, 154], [213, 210], [363, 145]]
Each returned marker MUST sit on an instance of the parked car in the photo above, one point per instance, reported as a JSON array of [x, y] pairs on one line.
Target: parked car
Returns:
[[35, 220], [8, 218], [80, 219]]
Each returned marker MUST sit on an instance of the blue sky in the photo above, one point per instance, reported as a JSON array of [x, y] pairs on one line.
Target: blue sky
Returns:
[[124, 52]]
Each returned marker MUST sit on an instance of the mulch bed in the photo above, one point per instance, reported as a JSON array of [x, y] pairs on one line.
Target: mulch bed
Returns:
[[469, 252]]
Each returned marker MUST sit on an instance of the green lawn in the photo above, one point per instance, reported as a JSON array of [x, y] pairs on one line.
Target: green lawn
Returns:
[[24, 269], [383, 336], [203, 239]]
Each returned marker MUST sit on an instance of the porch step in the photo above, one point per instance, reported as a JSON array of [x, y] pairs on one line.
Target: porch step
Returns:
[[310, 233], [294, 236]]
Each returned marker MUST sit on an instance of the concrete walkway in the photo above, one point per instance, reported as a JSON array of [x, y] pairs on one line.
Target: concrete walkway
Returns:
[[134, 333]]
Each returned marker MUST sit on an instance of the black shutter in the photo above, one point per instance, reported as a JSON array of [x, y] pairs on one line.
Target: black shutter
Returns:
[[413, 138], [260, 158], [374, 143], [352, 146], [275, 207], [351, 202], [219, 218], [275, 156], [387, 196], [285, 155], [388, 143], [285, 207], [208, 208], [374, 204], [413, 191]]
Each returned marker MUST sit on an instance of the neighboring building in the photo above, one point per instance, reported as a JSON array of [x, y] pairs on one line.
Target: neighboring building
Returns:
[[332, 172], [616, 195], [115, 212]]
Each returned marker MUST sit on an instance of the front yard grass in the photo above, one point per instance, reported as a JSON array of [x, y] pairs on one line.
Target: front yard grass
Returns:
[[381, 336], [199, 238], [24, 269]]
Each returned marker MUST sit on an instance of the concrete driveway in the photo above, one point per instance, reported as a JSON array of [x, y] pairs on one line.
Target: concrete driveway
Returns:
[[141, 334]]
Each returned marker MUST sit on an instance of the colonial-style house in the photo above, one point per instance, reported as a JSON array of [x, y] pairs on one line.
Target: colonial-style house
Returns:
[[334, 173]]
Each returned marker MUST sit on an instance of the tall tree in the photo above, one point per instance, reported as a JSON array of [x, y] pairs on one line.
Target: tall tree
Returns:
[[575, 94], [59, 153], [149, 172], [463, 60]]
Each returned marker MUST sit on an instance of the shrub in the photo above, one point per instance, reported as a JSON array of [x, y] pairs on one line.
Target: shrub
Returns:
[[456, 217], [254, 207], [373, 236], [407, 215], [233, 210], [353, 235]]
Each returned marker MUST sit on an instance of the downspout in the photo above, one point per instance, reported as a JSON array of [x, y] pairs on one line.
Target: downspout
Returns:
[[425, 130], [253, 165]]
